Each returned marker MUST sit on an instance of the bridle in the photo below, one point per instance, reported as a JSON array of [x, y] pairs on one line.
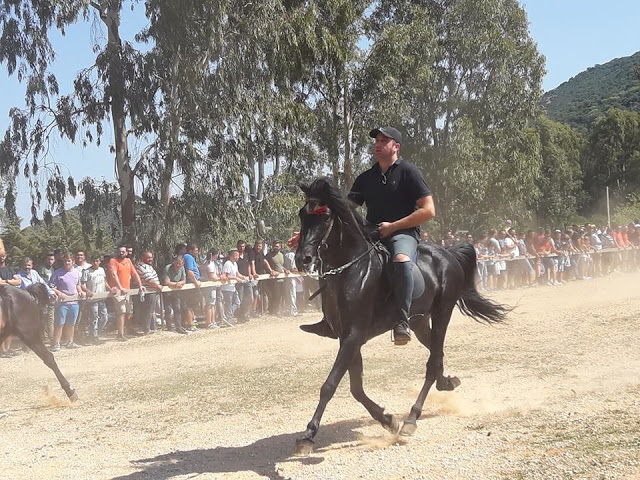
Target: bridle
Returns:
[[325, 210]]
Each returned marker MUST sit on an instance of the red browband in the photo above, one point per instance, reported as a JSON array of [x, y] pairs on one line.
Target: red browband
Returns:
[[320, 210]]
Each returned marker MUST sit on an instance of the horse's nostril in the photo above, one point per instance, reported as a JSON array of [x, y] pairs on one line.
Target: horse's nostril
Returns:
[[306, 260]]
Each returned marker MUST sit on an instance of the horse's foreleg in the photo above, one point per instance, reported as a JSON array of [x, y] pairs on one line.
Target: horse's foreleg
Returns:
[[49, 360], [348, 349], [389, 422], [435, 367]]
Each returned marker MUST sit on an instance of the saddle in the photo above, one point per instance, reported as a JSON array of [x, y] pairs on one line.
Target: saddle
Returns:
[[371, 231]]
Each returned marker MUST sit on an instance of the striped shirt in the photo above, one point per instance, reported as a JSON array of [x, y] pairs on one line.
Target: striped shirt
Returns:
[[147, 273]]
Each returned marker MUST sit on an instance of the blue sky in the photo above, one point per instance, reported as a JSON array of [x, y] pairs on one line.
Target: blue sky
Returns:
[[572, 34]]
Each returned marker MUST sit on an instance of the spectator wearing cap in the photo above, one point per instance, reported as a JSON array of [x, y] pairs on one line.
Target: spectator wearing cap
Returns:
[[193, 277]]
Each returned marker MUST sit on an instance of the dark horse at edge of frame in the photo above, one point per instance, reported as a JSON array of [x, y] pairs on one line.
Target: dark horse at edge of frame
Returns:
[[21, 313], [358, 305]]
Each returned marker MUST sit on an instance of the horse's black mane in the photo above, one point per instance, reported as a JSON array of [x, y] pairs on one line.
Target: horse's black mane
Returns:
[[325, 190]]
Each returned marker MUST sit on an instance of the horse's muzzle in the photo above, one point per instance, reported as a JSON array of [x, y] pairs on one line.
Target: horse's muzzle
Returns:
[[306, 263]]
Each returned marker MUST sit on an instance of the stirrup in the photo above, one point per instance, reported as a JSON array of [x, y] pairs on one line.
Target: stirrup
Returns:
[[400, 341]]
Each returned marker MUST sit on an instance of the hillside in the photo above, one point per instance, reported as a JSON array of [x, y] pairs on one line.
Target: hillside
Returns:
[[581, 99]]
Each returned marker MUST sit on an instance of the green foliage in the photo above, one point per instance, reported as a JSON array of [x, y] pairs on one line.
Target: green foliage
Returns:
[[236, 103], [580, 100], [64, 232], [612, 157], [627, 212], [560, 182], [463, 79]]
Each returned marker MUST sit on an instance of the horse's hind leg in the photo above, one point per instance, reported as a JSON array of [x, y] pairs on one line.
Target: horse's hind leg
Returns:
[[422, 329], [435, 365], [47, 357], [389, 422], [348, 349]]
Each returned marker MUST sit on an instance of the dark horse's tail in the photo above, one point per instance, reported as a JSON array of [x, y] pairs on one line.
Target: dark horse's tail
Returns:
[[39, 293], [471, 303]]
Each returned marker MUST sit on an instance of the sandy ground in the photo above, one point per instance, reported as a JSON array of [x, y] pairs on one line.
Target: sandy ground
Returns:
[[555, 394]]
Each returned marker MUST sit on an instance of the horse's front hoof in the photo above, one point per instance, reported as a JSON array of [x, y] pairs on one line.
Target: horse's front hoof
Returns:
[[393, 427], [73, 397], [446, 384], [304, 446], [408, 429]]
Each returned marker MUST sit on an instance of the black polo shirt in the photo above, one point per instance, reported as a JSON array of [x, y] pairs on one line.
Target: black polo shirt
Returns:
[[258, 259], [243, 265], [7, 273], [392, 195]]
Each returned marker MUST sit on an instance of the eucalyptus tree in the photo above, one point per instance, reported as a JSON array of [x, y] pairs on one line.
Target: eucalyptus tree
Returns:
[[336, 72], [462, 78], [116, 88]]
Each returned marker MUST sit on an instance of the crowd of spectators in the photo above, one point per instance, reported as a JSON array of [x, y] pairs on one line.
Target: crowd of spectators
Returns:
[[510, 258], [238, 298], [507, 258]]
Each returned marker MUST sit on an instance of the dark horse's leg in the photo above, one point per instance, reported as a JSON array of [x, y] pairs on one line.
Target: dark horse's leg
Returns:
[[389, 422], [34, 342], [422, 329], [348, 348], [435, 365]]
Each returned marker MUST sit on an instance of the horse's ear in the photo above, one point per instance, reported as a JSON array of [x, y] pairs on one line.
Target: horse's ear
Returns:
[[305, 189]]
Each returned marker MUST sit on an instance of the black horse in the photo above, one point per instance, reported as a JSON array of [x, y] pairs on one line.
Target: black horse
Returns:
[[21, 311], [357, 298]]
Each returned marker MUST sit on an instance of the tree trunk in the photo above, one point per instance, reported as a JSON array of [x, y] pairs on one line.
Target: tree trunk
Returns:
[[175, 119], [111, 18], [334, 147], [348, 139]]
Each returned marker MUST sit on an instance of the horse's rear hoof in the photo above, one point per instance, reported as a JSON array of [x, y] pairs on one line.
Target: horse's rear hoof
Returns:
[[447, 383], [408, 429], [73, 397], [393, 427], [304, 446]]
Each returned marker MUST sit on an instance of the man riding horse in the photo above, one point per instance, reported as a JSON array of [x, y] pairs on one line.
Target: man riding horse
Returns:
[[398, 200]]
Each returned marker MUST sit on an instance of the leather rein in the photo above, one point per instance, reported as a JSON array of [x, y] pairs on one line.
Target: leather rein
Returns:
[[324, 210]]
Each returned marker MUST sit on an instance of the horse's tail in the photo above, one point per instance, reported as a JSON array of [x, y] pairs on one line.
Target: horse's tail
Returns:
[[471, 303], [39, 292]]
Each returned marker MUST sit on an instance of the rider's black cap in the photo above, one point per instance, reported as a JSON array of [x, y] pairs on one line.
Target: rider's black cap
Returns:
[[389, 132]]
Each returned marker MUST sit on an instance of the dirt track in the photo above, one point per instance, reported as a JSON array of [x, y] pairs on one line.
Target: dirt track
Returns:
[[554, 394]]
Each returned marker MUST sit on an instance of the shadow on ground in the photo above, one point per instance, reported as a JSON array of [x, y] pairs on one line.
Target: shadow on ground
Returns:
[[260, 457]]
